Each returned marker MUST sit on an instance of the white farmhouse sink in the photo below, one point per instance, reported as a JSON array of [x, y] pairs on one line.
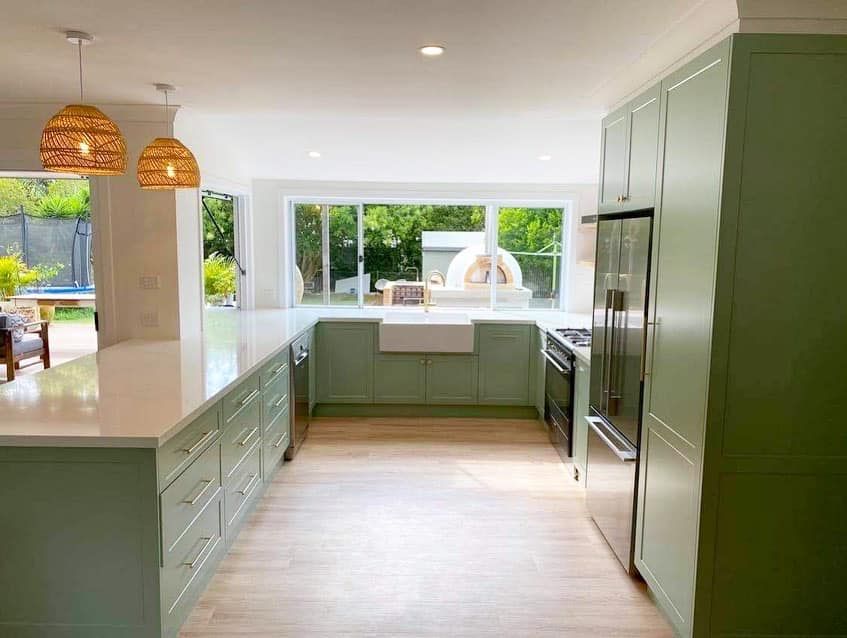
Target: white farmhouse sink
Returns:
[[426, 332]]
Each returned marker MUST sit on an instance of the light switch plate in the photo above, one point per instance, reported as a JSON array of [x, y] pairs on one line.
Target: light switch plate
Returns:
[[149, 282]]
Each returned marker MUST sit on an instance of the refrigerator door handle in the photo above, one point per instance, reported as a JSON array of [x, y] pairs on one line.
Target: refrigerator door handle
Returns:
[[608, 346], [617, 306], [604, 392], [621, 449]]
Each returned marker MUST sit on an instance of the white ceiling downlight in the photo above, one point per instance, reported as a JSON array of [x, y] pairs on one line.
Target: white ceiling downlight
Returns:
[[314, 154], [431, 50], [545, 158]]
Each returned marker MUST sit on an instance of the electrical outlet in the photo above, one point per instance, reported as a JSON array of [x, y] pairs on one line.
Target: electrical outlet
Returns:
[[149, 282], [150, 319]]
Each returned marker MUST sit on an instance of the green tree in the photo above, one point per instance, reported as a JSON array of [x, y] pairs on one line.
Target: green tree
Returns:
[[223, 212]]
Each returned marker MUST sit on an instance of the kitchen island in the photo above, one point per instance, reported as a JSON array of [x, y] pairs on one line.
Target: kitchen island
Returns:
[[127, 474]]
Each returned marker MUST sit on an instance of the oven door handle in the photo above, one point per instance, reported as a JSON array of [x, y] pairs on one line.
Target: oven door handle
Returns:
[[553, 361], [627, 454]]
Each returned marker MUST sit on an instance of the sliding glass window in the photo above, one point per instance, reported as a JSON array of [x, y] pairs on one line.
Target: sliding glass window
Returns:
[[380, 254], [529, 257]]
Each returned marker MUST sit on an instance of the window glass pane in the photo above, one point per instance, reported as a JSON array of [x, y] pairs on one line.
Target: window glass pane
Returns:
[[404, 242], [308, 282], [343, 253], [529, 257], [220, 271], [326, 251]]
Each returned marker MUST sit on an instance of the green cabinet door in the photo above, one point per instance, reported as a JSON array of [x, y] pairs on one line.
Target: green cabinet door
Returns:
[[313, 371], [613, 161], [693, 105], [400, 378], [451, 379], [537, 355], [345, 362], [642, 150], [582, 383], [504, 364]]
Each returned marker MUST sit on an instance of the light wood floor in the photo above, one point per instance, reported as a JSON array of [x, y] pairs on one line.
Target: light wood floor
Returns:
[[423, 527]]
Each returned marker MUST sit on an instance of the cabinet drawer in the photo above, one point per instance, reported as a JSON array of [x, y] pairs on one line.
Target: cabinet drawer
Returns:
[[196, 552], [242, 488], [242, 396], [240, 436], [276, 367], [275, 397], [188, 495], [178, 453], [275, 442]]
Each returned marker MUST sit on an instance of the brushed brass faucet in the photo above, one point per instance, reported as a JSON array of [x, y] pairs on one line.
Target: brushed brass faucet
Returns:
[[432, 275]]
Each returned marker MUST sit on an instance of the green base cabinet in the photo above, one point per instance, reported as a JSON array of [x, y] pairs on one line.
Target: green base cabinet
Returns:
[[540, 371], [345, 362], [121, 542], [582, 385], [451, 379], [400, 378], [504, 364], [742, 484]]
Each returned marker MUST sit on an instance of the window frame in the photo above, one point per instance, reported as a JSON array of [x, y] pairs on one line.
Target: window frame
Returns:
[[491, 229]]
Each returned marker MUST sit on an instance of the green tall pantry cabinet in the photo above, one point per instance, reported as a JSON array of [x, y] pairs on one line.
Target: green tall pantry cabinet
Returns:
[[742, 494]]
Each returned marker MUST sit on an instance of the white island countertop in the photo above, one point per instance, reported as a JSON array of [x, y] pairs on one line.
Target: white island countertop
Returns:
[[140, 393]]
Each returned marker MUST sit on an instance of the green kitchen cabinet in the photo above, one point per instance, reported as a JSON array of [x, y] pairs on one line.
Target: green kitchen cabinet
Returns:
[[628, 154], [313, 370], [504, 364], [123, 541], [400, 378], [642, 151], [540, 371], [741, 465], [345, 362], [582, 384], [451, 379], [613, 160]]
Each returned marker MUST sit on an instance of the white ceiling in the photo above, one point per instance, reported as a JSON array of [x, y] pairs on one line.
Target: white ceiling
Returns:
[[520, 78], [504, 57]]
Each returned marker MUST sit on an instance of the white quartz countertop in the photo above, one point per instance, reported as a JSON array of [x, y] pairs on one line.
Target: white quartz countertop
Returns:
[[141, 393]]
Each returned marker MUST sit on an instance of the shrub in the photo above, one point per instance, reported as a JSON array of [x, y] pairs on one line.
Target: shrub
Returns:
[[218, 277]]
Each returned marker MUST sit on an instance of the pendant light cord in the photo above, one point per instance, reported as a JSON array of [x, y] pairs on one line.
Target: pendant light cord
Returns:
[[167, 124], [79, 49]]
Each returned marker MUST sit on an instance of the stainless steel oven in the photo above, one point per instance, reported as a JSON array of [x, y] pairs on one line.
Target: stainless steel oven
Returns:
[[558, 395]]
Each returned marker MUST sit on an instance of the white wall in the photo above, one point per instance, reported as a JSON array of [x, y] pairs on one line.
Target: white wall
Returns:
[[271, 242], [136, 232]]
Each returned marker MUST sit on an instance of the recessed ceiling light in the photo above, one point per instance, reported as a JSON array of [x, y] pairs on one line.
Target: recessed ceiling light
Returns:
[[314, 154], [432, 50], [545, 158]]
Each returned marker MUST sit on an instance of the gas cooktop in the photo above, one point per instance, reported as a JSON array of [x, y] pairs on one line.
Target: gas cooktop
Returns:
[[579, 337]]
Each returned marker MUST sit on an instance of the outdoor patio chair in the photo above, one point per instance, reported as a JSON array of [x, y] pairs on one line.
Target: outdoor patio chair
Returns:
[[21, 340]]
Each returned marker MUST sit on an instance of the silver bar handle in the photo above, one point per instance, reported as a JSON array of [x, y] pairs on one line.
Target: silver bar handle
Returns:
[[205, 437], [280, 401], [192, 564], [249, 398], [281, 439], [247, 438], [246, 490], [628, 455], [208, 484], [279, 368], [552, 361], [608, 344]]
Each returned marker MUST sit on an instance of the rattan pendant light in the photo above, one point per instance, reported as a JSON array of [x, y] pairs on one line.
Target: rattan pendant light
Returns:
[[165, 163], [81, 138]]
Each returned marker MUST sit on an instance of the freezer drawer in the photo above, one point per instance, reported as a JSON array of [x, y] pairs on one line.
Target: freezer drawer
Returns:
[[610, 486]]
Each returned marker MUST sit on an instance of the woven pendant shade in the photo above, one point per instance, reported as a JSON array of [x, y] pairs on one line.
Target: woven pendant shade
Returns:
[[82, 139], [166, 163]]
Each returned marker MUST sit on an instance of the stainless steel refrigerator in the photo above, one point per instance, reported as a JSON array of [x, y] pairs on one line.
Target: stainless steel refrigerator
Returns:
[[617, 373]]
